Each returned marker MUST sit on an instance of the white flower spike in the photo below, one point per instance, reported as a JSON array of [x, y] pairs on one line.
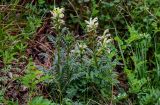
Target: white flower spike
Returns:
[[92, 24], [57, 16], [58, 12]]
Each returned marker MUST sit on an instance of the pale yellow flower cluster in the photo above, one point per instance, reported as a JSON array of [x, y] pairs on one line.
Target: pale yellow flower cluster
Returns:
[[92, 24], [57, 16], [58, 12], [79, 48], [104, 41]]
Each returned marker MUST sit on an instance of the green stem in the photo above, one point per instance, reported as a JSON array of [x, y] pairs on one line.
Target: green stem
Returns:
[[58, 50], [59, 57], [95, 59]]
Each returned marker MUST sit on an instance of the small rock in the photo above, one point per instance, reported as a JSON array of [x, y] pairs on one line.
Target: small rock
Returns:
[[10, 75]]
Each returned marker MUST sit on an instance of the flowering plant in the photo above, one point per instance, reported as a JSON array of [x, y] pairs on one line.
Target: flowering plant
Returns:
[[92, 24], [57, 16]]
